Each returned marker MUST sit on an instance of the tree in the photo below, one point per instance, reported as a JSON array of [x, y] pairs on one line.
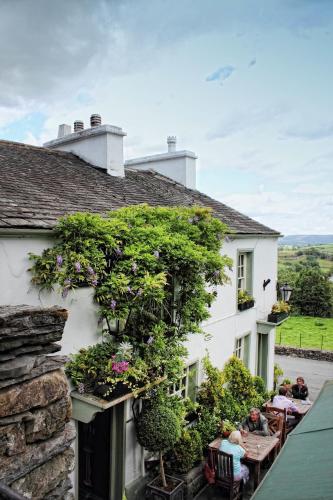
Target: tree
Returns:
[[312, 295], [158, 429]]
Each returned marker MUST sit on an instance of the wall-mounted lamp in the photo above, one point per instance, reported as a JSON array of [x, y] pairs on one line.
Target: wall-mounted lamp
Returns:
[[285, 292], [265, 283]]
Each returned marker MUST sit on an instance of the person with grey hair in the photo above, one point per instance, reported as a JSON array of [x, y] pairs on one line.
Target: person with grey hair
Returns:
[[234, 446], [255, 422]]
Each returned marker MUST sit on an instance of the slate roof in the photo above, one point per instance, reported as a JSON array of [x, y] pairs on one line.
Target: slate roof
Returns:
[[38, 185]]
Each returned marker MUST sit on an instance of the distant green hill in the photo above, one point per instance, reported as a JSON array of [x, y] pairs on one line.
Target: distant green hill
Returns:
[[302, 240]]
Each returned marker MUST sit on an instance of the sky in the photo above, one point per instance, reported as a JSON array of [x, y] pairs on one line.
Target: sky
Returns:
[[245, 84]]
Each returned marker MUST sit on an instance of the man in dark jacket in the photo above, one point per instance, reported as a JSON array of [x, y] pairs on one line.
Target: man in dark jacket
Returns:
[[300, 390], [255, 423]]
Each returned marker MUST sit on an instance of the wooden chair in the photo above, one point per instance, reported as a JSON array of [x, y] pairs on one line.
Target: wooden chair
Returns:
[[283, 413], [276, 426], [224, 475]]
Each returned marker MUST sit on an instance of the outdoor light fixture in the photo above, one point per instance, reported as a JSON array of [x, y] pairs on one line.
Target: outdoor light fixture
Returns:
[[265, 283], [285, 292]]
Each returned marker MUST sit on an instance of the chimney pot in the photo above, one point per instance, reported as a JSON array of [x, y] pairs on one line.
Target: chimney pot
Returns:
[[172, 141], [78, 126], [63, 130], [95, 120]]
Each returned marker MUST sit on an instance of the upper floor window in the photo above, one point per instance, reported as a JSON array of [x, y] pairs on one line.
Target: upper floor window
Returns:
[[244, 271]]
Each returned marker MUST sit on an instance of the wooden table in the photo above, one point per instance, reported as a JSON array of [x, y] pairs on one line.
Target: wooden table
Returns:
[[301, 407], [258, 448]]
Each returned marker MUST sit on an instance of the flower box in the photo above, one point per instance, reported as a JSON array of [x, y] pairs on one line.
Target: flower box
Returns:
[[245, 305], [174, 490], [277, 317]]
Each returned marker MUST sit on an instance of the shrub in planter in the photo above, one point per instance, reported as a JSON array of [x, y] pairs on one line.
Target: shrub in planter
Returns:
[[208, 425], [158, 429], [186, 452]]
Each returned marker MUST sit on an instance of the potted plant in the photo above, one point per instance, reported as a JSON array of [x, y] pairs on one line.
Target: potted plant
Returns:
[[158, 429], [280, 311], [245, 300], [185, 462], [227, 427], [287, 384]]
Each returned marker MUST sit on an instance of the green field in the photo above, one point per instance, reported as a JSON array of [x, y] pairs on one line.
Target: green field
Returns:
[[323, 254], [306, 331]]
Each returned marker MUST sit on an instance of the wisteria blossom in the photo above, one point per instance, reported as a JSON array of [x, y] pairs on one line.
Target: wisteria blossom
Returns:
[[134, 267], [59, 260], [77, 267], [90, 270], [113, 304]]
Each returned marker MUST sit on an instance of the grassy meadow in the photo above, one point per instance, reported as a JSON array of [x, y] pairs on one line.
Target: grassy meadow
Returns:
[[306, 331]]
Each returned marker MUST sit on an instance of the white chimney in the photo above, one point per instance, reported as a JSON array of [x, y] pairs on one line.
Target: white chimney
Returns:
[[172, 141], [178, 165], [100, 145], [64, 130]]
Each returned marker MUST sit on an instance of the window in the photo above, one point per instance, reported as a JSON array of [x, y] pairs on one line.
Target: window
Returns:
[[186, 386], [244, 272], [242, 349]]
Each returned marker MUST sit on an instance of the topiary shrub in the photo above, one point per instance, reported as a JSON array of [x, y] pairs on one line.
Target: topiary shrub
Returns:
[[158, 429], [187, 451]]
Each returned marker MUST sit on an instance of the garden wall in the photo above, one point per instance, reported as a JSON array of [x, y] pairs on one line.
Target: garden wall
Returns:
[[304, 353], [35, 433]]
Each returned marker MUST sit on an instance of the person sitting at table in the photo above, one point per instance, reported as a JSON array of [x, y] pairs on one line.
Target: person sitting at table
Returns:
[[300, 390], [256, 423], [281, 401], [234, 446]]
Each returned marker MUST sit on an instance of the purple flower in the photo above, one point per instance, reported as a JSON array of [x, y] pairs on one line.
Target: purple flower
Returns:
[[77, 266], [157, 254], [129, 289], [90, 270], [67, 282], [81, 388], [150, 340], [64, 293], [59, 260], [139, 292], [94, 282], [134, 267], [113, 304], [118, 251]]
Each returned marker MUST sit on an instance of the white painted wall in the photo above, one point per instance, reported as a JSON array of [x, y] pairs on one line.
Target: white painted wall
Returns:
[[224, 326]]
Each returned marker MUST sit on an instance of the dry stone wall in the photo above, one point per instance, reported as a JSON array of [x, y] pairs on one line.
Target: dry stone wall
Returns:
[[36, 456]]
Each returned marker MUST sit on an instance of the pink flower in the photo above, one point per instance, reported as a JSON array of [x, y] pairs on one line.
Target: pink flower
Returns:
[[120, 366]]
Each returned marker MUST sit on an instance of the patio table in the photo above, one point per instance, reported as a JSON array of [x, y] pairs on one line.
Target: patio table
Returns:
[[302, 406], [258, 448]]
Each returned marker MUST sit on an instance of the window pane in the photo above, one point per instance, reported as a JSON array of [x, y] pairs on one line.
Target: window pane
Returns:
[[192, 381]]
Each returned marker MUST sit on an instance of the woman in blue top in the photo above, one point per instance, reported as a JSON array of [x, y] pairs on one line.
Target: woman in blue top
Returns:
[[234, 446]]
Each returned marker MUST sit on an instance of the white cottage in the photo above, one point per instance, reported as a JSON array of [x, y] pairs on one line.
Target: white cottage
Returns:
[[85, 171]]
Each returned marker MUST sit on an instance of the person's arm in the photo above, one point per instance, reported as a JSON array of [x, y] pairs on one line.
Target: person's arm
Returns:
[[295, 391], [305, 391], [244, 426]]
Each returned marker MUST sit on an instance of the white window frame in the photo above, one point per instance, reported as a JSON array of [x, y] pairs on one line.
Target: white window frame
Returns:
[[181, 388], [239, 348], [244, 281]]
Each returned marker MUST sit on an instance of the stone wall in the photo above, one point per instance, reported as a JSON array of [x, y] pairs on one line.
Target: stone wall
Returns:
[[35, 407], [304, 353]]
